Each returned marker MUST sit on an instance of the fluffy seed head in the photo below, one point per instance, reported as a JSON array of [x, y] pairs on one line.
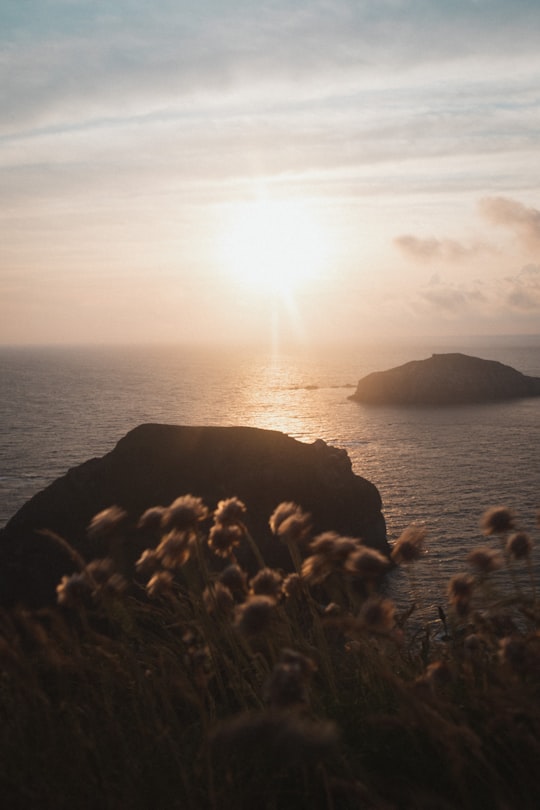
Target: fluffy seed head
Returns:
[[366, 563], [280, 736], [317, 568], [218, 599], [497, 520], [377, 614], [184, 513], [230, 512], [254, 616], [73, 591], [485, 559], [333, 546], [267, 582], [438, 673], [107, 523], [234, 578], [174, 549], [519, 545], [460, 586], [103, 578], [160, 586], [224, 537], [292, 585], [409, 545], [147, 563], [290, 523], [287, 684], [151, 519]]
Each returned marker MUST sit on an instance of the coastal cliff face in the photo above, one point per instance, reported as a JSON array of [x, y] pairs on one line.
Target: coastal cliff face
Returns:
[[445, 379], [154, 464]]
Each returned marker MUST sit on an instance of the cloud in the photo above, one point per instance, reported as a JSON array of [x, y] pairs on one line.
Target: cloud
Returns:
[[449, 299], [434, 249], [523, 290], [523, 221], [78, 59]]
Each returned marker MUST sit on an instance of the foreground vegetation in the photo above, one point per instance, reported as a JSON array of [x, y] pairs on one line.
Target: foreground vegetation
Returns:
[[175, 679]]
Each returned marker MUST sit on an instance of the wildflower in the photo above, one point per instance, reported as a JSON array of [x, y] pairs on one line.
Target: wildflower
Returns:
[[277, 736], [151, 519], [316, 569], [519, 545], [174, 549], [217, 598], [460, 591], [73, 590], [290, 523], [104, 579], [267, 582], [334, 546], [497, 520], [409, 545], [438, 673], [107, 522], [473, 644], [160, 585], [485, 559], [324, 543], [305, 664], [184, 513], [255, 615], [223, 538], [230, 512], [235, 579], [287, 684], [199, 661], [513, 652], [147, 563], [377, 614], [460, 587], [526, 654], [292, 585], [366, 563]]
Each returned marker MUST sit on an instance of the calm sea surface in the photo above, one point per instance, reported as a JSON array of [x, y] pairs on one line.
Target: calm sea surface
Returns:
[[442, 467]]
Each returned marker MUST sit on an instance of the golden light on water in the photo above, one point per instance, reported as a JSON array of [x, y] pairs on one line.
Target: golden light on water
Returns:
[[273, 246]]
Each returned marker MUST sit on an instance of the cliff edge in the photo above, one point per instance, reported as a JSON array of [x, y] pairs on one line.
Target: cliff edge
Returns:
[[445, 379]]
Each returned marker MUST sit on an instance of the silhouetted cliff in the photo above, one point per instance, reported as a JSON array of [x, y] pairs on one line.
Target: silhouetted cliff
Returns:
[[445, 379], [154, 464]]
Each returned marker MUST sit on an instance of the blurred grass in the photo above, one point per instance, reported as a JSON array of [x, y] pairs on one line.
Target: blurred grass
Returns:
[[204, 698]]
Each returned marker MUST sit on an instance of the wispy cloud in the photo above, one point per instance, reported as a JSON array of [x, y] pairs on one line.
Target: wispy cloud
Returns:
[[523, 290], [523, 221], [64, 61], [451, 299], [431, 249]]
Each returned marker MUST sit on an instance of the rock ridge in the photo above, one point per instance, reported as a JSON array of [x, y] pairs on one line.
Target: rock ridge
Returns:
[[155, 463], [445, 379]]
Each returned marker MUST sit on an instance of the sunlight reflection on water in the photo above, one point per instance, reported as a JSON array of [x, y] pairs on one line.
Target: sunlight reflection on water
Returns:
[[442, 467]]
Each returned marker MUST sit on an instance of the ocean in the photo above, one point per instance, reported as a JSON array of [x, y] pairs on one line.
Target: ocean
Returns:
[[441, 467]]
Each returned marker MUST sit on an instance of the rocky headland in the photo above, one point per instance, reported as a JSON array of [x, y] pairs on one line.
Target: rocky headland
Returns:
[[445, 379], [152, 465]]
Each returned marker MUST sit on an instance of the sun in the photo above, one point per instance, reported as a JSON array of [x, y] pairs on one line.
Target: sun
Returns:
[[273, 246]]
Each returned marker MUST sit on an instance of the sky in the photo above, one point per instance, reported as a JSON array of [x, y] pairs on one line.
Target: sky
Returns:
[[178, 171]]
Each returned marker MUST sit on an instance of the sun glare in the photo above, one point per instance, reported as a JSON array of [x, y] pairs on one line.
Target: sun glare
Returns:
[[273, 246]]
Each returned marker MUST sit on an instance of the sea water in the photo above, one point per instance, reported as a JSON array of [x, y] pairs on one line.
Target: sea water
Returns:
[[441, 467]]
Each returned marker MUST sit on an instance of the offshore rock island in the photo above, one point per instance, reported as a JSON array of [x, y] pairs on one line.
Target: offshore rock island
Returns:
[[445, 379], [154, 464]]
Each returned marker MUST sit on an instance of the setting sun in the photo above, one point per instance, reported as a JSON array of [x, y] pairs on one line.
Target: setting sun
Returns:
[[273, 245]]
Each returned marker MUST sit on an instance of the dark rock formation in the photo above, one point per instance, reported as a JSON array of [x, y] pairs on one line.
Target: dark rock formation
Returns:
[[154, 464], [445, 379]]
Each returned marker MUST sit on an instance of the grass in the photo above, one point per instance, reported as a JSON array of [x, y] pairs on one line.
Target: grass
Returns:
[[178, 681]]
